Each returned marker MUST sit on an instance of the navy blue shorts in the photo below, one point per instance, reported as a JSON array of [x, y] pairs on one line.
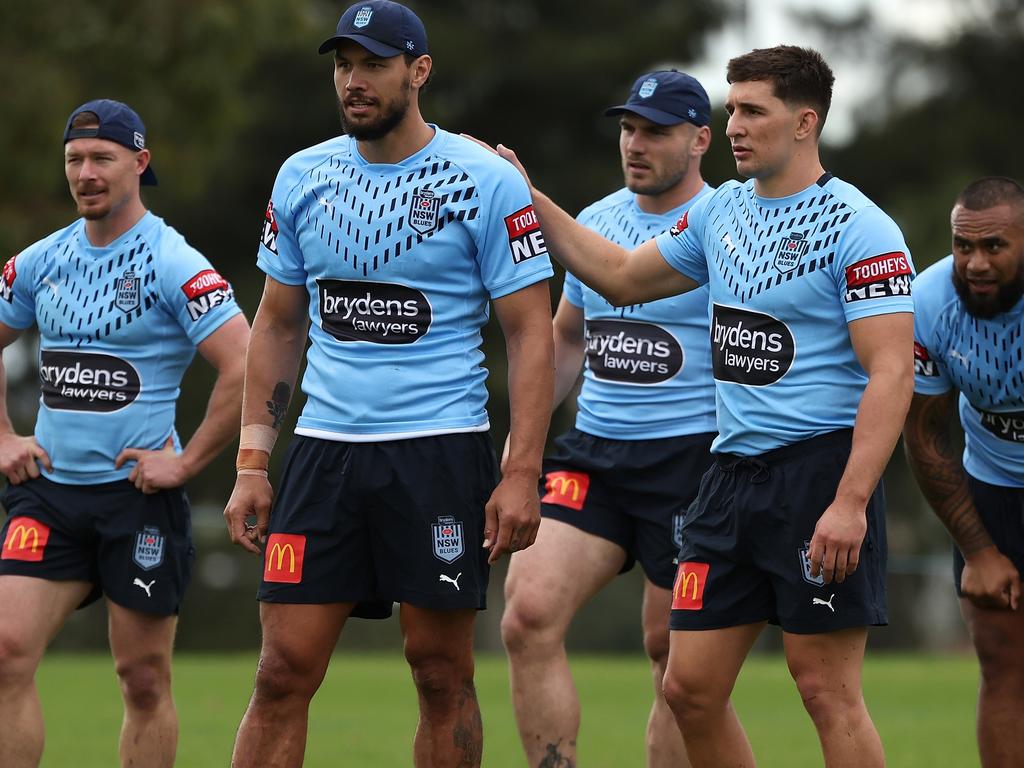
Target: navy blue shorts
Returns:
[[745, 541], [379, 523], [1002, 511], [633, 493], [134, 547]]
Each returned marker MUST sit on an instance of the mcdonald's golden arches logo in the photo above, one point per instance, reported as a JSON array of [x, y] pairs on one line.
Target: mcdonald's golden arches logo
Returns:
[[285, 553], [26, 540], [688, 592], [567, 489]]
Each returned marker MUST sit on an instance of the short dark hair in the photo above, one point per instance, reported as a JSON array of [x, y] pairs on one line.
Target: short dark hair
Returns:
[[990, 191], [85, 120], [799, 76]]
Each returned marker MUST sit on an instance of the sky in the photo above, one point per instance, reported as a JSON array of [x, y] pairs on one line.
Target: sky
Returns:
[[769, 23]]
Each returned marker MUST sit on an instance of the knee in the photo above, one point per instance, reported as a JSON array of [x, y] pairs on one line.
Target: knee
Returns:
[[656, 646], [691, 697], [145, 682], [18, 661], [828, 701], [528, 623], [279, 676], [440, 675]]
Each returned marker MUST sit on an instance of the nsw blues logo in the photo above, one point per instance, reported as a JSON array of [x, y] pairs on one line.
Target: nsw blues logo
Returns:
[[805, 566], [791, 249], [363, 17], [448, 540], [149, 548], [423, 211], [126, 292], [647, 89]]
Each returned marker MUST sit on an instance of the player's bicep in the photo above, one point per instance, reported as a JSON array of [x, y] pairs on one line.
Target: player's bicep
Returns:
[[568, 323], [221, 348], [928, 421], [885, 343], [525, 312]]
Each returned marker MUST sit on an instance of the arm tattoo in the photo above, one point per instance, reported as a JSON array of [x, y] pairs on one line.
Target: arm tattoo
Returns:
[[278, 403], [939, 470]]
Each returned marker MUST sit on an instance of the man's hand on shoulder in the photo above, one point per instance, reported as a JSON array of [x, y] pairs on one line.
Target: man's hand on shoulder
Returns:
[[20, 457]]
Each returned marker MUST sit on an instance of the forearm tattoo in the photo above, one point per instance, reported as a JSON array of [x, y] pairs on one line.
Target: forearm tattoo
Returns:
[[937, 466], [278, 403]]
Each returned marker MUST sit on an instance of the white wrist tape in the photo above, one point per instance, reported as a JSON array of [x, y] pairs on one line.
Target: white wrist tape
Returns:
[[258, 437]]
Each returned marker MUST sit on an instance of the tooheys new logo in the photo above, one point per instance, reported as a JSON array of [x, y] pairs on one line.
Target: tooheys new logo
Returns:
[[1005, 426], [524, 235], [878, 277], [923, 363], [86, 381], [749, 347], [382, 313], [7, 281], [631, 352], [204, 291]]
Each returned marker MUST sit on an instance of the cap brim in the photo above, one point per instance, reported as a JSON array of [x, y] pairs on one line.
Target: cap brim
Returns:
[[374, 47], [654, 115]]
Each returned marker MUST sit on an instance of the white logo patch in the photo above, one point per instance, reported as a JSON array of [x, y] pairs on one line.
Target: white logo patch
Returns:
[[819, 601], [442, 577], [363, 17], [447, 539], [650, 85], [143, 585], [805, 565]]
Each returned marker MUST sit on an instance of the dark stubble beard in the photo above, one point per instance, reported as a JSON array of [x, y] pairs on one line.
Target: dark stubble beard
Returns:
[[986, 308], [391, 116]]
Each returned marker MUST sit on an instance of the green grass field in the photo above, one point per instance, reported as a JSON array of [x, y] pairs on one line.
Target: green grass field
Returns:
[[365, 712]]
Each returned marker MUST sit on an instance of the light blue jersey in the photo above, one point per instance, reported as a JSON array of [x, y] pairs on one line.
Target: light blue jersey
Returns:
[[648, 367], [118, 326], [787, 275], [982, 360], [400, 262]]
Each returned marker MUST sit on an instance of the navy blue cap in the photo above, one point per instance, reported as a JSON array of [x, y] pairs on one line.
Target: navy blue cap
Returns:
[[118, 123], [667, 97], [382, 27]]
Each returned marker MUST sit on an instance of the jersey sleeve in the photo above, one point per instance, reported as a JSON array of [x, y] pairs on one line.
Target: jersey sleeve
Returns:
[[930, 377], [17, 300], [196, 294], [279, 255], [873, 268], [511, 251], [682, 245], [572, 289]]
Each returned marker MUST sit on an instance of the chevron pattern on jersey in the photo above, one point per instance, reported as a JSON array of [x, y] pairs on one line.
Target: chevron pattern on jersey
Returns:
[[81, 308], [748, 261], [620, 228], [364, 222], [986, 359]]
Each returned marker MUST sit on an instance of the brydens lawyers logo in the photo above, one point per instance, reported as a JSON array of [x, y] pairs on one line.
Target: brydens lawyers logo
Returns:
[[423, 211], [688, 591], [630, 352], [749, 347], [149, 548], [524, 235], [204, 291], [380, 313], [7, 281], [923, 363], [26, 540], [566, 489], [269, 235], [285, 553], [87, 381], [448, 540], [680, 226], [790, 250], [878, 277], [1005, 426]]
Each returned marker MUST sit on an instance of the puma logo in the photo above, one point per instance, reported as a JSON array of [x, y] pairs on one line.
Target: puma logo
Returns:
[[442, 577], [819, 601], [146, 587]]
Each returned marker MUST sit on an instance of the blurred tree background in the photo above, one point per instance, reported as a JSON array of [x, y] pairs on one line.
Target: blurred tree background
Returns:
[[230, 88]]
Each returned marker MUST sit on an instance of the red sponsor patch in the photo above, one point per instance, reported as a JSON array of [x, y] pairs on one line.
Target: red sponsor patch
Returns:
[[923, 363], [202, 283], [877, 268], [567, 489], [524, 235], [26, 540], [7, 281], [688, 591], [680, 226], [522, 222], [283, 562], [269, 235]]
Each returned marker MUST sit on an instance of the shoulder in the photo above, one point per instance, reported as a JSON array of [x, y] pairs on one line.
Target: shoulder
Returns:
[[935, 284], [861, 205], [615, 201], [484, 166], [39, 248], [306, 160]]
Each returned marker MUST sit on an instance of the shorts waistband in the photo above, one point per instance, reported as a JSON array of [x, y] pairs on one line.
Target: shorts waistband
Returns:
[[761, 463]]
